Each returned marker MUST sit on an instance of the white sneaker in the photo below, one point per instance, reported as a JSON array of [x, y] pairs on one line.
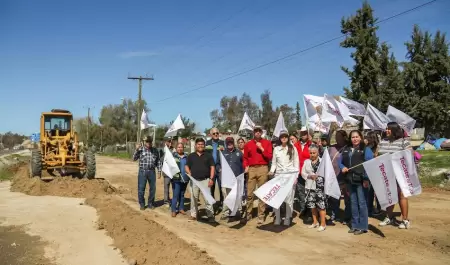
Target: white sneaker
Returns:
[[314, 225], [287, 221], [321, 228], [277, 221], [385, 222], [405, 224]]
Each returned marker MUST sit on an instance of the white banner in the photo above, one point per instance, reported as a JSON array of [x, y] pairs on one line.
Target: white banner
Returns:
[[144, 121], [246, 123], [355, 108], [275, 191], [382, 177], [280, 126], [403, 119], [205, 190], [326, 170], [406, 172], [176, 125], [170, 167], [227, 176], [234, 198]]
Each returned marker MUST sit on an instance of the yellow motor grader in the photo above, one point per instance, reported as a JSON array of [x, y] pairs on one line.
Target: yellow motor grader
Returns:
[[58, 150]]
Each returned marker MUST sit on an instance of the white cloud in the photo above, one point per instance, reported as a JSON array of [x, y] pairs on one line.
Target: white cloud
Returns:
[[127, 55]]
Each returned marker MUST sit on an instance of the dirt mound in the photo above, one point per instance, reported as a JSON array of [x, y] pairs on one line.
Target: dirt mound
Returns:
[[60, 186], [141, 238]]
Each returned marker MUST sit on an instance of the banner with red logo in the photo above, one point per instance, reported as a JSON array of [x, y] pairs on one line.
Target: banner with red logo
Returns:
[[406, 172], [382, 177], [275, 191]]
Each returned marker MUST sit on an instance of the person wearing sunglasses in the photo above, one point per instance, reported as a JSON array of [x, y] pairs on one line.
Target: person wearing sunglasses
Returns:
[[214, 146]]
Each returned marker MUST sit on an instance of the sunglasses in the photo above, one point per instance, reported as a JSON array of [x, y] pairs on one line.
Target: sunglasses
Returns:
[[215, 133]]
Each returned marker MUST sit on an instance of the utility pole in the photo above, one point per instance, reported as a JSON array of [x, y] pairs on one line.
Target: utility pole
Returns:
[[140, 107], [88, 124]]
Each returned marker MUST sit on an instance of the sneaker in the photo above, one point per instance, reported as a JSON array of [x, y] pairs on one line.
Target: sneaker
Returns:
[[359, 232], [244, 202], [287, 221], [314, 225], [321, 228], [224, 217], [351, 231], [260, 220], [277, 221], [142, 208], [211, 220], [385, 222], [151, 207], [405, 224]]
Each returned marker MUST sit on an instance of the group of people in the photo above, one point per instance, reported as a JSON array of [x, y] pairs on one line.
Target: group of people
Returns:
[[260, 160]]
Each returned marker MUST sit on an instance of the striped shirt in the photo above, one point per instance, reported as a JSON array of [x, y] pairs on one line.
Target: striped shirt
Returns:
[[387, 147]]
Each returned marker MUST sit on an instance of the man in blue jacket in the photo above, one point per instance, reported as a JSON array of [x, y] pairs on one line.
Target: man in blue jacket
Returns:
[[214, 146], [234, 158]]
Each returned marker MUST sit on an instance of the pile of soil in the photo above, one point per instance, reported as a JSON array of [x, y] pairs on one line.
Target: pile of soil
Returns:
[[60, 186], [142, 239]]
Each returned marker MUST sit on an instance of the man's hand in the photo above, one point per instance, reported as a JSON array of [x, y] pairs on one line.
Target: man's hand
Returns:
[[365, 183], [138, 146], [313, 177], [344, 170], [210, 183], [246, 170], [260, 147], [159, 175], [271, 174]]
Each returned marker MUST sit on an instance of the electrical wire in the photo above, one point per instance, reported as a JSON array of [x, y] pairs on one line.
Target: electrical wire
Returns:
[[291, 54]]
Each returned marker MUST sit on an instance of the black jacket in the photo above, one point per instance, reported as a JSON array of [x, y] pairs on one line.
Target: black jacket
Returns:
[[355, 175], [209, 148], [235, 160]]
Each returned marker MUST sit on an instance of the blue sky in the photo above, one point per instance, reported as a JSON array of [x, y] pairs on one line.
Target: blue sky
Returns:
[[72, 54]]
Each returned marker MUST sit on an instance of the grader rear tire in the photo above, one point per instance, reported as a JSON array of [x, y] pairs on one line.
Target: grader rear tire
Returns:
[[89, 160], [36, 164]]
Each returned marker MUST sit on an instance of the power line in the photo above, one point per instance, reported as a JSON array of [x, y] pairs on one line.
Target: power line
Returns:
[[291, 54]]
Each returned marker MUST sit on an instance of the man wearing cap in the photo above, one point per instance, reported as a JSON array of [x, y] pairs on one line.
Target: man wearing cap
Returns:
[[303, 154], [148, 157], [257, 154], [214, 146], [234, 159], [167, 180]]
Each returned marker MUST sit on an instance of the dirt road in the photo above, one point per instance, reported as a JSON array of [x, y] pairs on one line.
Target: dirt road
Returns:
[[230, 243], [154, 237]]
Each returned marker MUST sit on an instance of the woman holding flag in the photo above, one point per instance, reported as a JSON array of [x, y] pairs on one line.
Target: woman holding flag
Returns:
[[394, 143], [285, 159], [179, 182], [353, 155]]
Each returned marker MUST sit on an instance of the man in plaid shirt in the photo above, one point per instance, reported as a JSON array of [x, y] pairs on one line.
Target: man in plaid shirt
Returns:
[[149, 160]]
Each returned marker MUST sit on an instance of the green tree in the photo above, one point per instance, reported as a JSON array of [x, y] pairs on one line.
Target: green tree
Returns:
[[361, 36], [427, 80], [298, 116], [268, 115]]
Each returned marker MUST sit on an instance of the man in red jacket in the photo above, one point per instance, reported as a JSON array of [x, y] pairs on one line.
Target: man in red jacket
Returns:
[[303, 154], [257, 155]]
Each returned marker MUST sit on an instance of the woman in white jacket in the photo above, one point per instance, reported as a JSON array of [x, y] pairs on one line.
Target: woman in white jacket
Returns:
[[314, 184], [285, 159]]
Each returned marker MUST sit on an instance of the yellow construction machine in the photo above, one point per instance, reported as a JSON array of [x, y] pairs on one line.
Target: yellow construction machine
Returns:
[[58, 150]]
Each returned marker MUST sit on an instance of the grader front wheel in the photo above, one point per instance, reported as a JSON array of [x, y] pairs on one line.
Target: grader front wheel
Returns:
[[36, 164], [89, 161]]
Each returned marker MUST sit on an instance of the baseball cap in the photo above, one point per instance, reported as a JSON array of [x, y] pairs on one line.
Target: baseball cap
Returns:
[[257, 128], [229, 140], [303, 129], [283, 132]]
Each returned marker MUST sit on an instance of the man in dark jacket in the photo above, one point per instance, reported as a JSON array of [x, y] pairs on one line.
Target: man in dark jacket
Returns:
[[214, 146], [234, 158]]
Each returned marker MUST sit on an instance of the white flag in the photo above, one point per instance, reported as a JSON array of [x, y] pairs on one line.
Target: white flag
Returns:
[[227, 176], [382, 177], [234, 198], [375, 119], [403, 119], [311, 104], [170, 167], [319, 126], [275, 191], [205, 190], [176, 125], [326, 170], [144, 121], [355, 108], [280, 126], [406, 172], [246, 123]]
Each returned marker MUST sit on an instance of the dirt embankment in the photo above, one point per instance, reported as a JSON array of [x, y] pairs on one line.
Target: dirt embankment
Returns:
[[135, 235]]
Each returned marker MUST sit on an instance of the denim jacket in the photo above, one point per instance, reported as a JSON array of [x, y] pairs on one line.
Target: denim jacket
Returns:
[[181, 162]]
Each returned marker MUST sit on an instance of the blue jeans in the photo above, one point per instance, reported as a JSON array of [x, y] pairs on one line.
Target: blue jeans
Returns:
[[178, 190], [360, 218], [145, 176]]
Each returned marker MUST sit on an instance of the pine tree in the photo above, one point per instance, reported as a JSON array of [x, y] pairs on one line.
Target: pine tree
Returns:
[[268, 115], [298, 116], [427, 80], [361, 36]]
